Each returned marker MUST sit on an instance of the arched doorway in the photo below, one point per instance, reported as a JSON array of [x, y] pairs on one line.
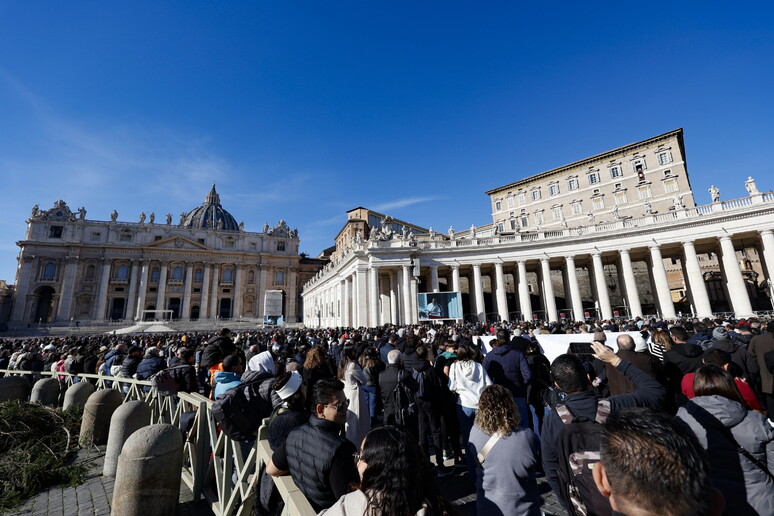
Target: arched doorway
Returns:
[[45, 307], [174, 305], [195, 312], [225, 308]]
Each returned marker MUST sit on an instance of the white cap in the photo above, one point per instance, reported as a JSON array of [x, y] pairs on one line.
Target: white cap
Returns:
[[291, 386]]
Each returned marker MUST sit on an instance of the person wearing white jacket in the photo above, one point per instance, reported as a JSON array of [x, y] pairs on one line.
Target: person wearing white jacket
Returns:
[[467, 378]]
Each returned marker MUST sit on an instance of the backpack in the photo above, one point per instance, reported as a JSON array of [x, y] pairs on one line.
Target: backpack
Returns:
[[423, 387], [578, 451], [404, 401], [165, 381], [239, 416]]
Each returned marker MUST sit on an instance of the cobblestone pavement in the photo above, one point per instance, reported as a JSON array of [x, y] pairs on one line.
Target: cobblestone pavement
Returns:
[[93, 496]]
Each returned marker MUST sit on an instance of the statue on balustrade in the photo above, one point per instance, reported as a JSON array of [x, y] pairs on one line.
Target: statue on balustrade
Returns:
[[114, 216], [451, 233], [81, 213], [169, 219], [715, 193], [142, 217], [752, 188], [152, 217]]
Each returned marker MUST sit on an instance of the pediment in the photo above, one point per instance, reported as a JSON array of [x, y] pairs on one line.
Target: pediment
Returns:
[[177, 242]]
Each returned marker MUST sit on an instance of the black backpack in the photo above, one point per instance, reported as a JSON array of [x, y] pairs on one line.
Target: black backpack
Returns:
[[404, 400], [578, 451], [239, 415]]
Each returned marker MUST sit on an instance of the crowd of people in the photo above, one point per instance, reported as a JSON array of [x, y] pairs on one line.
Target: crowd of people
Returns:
[[677, 413]]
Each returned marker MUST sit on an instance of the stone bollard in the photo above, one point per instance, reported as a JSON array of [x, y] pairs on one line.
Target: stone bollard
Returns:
[[46, 392], [77, 394], [14, 388], [149, 471], [127, 419], [96, 416]]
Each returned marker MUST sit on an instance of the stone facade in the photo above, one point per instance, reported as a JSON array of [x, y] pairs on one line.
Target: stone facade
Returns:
[[204, 267], [641, 179]]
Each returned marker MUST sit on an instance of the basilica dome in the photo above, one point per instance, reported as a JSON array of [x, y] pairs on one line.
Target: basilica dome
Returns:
[[210, 215]]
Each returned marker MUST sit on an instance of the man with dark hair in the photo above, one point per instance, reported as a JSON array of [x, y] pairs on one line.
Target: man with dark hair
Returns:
[[683, 356], [315, 454], [651, 464], [570, 376]]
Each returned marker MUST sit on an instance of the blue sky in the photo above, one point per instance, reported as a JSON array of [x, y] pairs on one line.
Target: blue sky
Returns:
[[302, 110]]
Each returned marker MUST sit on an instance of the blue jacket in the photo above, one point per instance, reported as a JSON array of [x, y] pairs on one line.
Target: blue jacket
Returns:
[[150, 366], [508, 367], [224, 380]]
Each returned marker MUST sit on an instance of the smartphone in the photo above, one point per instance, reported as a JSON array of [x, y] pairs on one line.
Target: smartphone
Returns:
[[581, 348]]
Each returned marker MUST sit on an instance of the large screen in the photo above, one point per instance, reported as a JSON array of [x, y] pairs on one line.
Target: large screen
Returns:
[[439, 305]]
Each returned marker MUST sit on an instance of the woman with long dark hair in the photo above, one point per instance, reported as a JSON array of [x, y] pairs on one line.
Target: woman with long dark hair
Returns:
[[358, 415], [394, 479], [740, 442]]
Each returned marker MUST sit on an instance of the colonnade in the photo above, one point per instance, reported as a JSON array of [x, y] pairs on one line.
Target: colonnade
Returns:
[[375, 290]]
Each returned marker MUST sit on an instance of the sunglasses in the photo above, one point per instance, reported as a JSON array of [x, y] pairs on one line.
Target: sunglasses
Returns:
[[341, 406]]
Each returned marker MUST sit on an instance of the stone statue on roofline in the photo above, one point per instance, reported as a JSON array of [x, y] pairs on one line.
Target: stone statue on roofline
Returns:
[[451, 233], [752, 188], [472, 231], [142, 217], [152, 218], [714, 193], [182, 217], [114, 216], [81, 213], [169, 219], [35, 211]]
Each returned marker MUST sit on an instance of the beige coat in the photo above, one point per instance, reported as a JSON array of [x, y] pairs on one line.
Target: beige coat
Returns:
[[354, 504]]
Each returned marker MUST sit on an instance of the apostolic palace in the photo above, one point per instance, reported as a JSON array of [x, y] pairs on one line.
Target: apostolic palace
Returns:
[[616, 234]]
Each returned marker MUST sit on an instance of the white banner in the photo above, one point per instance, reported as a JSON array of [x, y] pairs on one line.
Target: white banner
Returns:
[[555, 345]]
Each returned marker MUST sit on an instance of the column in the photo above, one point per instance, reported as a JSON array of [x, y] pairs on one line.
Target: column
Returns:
[[161, 300], [601, 286], [214, 291], [630, 284], [361, 298], [478, 293], [143, 289], [696, 285], [574, 289], [133, 281], [548, 291], [407, 315], [661, 284], [205, 294], [455, 278], [237, 306], [345, 301], [185, 312], [414, 308], [26, 273], [104, 282], [737, 289], [68, 285], [373, 296], [525, 303], [502, 299], [434, 278], [767, 250], [394, 298], [292, 308]]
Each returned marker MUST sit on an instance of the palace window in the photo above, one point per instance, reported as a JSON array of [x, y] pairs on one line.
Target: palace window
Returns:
[[95, 236], [513, 223], [55, 231], [522, 198], [536, 194], [577, 208], [593, 178], [500, 227], [510, 201], [49, 271], [553, 189], [664, 157], [620, 198], [615, 172], [524, 220], [556, 212], [639, 165], [539, 219], [155, 274], [125, 237], [90, 272], [228, 275], [572, 183], [122, 272], [198, 274], [670, 186], [598, 203], [645, 192], [279, 278], [498, 206], [280, 246], [177, 273]]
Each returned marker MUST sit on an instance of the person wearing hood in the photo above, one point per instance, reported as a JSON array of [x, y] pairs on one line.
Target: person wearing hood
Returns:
[[743, 334], [684, 356], [740, 442], [507, 366], [230, 376], [743, 364]]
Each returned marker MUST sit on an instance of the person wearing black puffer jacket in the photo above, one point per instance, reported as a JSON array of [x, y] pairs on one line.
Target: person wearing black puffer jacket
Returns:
[[130, 363], [429, 400], [218, 348]]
